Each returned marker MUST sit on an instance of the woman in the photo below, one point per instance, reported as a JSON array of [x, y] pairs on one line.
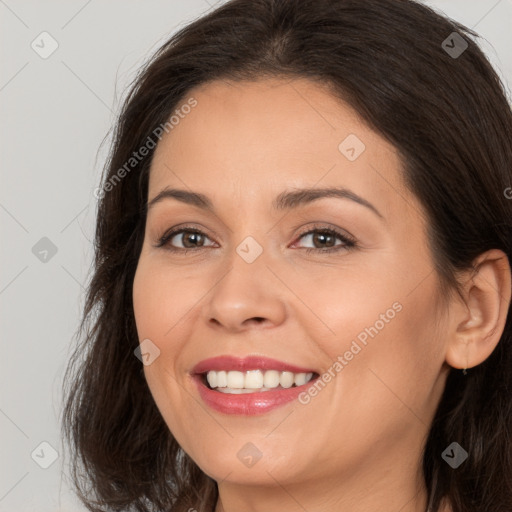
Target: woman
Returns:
[[230, 360]]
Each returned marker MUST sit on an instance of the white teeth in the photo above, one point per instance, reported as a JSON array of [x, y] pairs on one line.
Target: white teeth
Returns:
[[211, 377], [254, 380], [300, 379], [286, 379], [271, 379], [240, 391], [222, 379]]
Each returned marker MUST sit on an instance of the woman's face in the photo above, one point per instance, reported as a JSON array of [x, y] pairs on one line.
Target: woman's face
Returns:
[[361, 318]]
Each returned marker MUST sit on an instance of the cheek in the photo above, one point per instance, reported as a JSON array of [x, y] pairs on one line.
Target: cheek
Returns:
[[143, 289], [156, 307], [162, 297], [383, 335], [348, 305]]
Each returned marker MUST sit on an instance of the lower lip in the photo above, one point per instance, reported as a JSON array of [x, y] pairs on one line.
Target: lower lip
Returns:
[[247, 404]]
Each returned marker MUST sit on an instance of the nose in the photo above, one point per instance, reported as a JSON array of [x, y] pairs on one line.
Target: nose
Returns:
[[248, 295]]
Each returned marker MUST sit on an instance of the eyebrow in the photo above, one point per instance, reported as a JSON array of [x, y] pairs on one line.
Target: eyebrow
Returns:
[[285, 201]]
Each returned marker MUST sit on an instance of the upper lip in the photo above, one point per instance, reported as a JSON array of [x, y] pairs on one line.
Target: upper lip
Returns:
[[242, 364]]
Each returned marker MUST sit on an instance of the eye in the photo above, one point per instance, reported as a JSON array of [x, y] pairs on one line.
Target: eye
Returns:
[[193, 239], [321, 235]]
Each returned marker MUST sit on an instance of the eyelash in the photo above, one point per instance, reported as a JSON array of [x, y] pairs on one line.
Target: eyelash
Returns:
[[349, 243]]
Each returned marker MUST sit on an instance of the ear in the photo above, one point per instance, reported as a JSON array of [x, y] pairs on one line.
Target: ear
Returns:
[[477, 325]]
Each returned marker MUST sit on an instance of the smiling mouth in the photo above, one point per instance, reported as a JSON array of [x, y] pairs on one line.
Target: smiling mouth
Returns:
[[254, 381]]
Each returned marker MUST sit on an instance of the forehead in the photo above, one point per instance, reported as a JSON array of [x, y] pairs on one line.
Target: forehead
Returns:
[[272, 134]]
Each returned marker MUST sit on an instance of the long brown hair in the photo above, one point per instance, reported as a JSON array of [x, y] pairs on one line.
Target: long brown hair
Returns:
[[439, 103]]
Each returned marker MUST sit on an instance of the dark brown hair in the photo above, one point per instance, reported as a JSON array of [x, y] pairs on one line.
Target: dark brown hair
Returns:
[[449, 119]]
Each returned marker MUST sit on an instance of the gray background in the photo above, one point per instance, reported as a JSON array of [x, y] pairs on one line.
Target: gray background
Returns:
[[55, 113]]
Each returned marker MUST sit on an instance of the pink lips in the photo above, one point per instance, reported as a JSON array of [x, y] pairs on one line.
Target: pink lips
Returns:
[[248, 404], [243, 364]]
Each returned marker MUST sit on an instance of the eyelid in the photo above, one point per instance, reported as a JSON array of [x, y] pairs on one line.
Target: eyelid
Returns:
[[192, 226], [162, 240], [322, 226], [348, 240]]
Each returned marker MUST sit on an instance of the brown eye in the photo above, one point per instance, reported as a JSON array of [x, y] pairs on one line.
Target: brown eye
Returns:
[[193, 238], [324, 240], [190, 239]]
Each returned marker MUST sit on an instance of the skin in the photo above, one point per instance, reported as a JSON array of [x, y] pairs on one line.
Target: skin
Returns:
[[356, 446]]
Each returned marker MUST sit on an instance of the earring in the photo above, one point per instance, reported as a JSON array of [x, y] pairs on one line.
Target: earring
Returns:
[[464, 372]]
